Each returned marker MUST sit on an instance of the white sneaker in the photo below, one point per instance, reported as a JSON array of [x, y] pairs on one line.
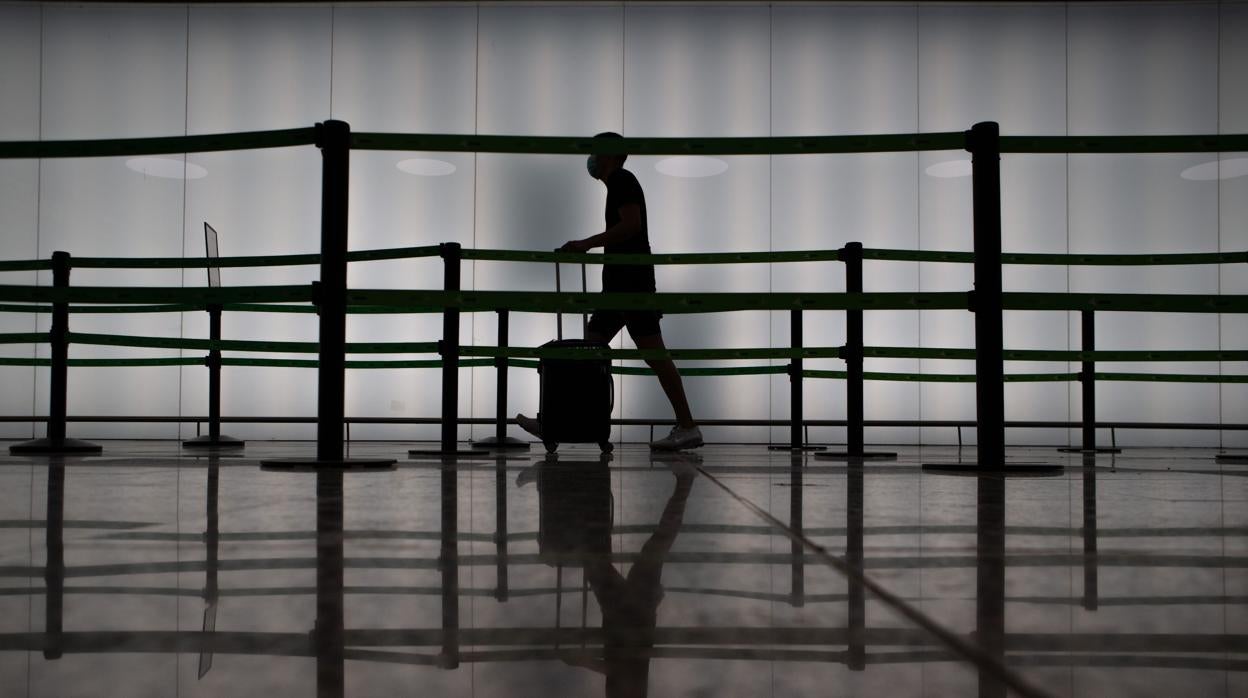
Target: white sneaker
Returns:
[[530, 425], [679, 439]]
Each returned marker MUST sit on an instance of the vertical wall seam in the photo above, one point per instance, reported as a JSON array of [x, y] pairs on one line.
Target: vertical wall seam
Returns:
[[476, 174], [1066, 89], [918, 204], [186, 123], [34, 352]]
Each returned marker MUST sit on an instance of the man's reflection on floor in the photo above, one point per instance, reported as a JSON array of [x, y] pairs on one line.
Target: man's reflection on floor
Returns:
[[576, 517]]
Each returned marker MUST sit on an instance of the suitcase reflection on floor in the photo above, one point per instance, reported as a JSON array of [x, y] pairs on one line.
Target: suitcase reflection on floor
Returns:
[[576, 513]]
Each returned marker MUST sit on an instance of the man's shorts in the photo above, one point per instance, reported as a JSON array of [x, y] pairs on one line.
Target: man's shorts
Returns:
[[640, 323]]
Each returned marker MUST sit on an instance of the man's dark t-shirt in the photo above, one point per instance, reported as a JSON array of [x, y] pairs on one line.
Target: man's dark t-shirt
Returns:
[[624, 189]]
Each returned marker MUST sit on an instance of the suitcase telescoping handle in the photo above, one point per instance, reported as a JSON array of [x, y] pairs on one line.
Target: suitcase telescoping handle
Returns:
[[559, 315]]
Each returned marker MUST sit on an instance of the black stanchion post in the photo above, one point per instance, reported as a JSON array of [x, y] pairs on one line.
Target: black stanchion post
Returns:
[[334, 140], [215, 438], [795, 390], [987, 302], [1087, 387], [330, 295], [500, 440], [56, 442], [795, 382], [448, 348], [855, 439], [984, 142]]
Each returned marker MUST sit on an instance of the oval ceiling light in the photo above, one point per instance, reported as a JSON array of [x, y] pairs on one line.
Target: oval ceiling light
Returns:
[[691, 166], [950, 168], [426, 167], [1230, 168], [166, 168]]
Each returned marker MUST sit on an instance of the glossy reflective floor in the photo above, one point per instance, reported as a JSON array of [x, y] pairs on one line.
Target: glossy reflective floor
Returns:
[[150, 571]]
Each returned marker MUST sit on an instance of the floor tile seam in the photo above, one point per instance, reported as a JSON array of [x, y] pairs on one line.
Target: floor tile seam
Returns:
[[968, 651]]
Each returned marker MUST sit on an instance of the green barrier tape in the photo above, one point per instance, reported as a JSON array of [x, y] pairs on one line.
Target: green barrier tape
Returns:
[[110, 363], [627, 259], [312, 363], [32, 308], [783, 145], [24, 338], [1127, 302], [254, 261], [247, 345], [268, 308], [484, 301], [643, 354], [555, 145], [121, 294], [919, 255], [1059, 355], [1060, 259], [1170, 378], [287, 260], [1125, 144], [25, 264], [171, 145]]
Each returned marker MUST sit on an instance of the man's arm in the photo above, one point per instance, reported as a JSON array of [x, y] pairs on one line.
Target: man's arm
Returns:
[[629, 225]]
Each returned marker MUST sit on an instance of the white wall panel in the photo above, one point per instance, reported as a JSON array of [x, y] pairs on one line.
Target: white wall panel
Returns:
[[645, 70], [406, 69], [1145, 69], [254, 68], [547, 71], [114, 72], [703, 70], [1233, 209], [845, 70], [19, 192], [1003, 64]]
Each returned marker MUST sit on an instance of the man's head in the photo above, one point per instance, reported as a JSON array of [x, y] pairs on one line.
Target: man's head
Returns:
[[600, 166]]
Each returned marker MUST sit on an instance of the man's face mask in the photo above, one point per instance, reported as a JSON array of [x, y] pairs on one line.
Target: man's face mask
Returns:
[[591, 164]]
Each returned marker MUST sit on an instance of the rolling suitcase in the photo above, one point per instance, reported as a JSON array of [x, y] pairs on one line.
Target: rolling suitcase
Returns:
[[576, 396]]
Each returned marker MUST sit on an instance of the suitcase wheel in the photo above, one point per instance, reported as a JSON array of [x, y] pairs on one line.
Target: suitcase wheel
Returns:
[[551, 446], [606, 446]]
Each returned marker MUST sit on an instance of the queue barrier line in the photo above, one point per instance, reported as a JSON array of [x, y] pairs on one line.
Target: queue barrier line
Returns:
[[1039, 258], [561, 145], [156, 294], [170, 145], [24, 337], [246, 345], [681, 258], [109, 363], [252, 261], [555, 145], [640, 371]]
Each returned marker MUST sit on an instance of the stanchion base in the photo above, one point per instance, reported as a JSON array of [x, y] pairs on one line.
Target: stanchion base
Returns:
[[1240, 458], [795, 449], [1089, 451], [508, 443], [865, 455], [1006, 469], [312, 465], [452, 454], [52, 447], [222, 441]]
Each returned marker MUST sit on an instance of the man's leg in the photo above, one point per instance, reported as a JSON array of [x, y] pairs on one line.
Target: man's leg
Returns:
[[669, 378]]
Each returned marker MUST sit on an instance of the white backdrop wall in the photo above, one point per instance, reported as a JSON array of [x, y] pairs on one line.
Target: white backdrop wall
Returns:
[[644, 69]]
